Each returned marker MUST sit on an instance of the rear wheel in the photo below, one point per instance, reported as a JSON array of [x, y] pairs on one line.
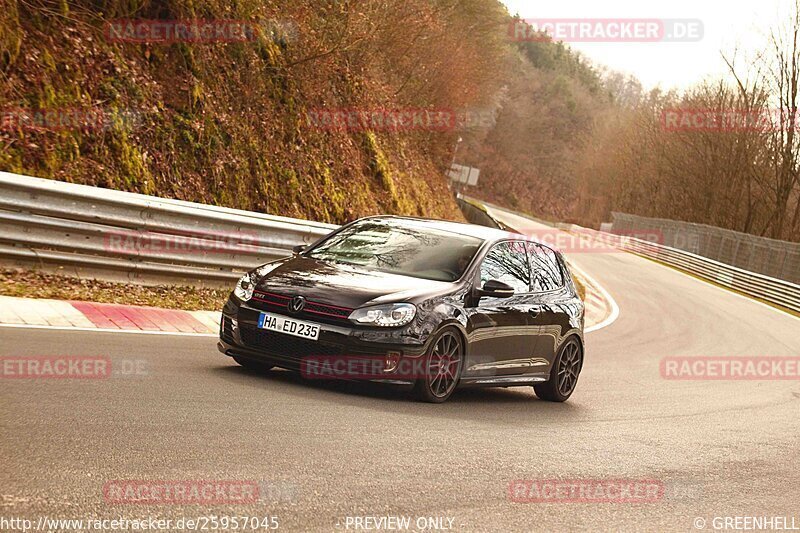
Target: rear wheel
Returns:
[[564, 375], [442, 368], [252, 364]]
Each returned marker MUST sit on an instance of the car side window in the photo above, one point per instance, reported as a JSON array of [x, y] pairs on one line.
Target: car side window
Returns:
[[546, 274], [507, 262]]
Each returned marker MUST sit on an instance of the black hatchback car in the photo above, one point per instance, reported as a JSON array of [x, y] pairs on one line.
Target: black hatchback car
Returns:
[[437, 305]]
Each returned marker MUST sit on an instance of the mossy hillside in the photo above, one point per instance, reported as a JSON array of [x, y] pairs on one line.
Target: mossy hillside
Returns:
[[223, 123]]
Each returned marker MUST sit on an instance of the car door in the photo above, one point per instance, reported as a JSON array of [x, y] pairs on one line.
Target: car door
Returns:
[[499, 327], [549, 312]]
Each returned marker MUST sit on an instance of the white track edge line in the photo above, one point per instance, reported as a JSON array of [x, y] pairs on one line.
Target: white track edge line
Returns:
[[612, 317]]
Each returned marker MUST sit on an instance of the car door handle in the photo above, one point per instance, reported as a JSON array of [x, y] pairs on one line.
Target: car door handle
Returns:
[[534, 311]]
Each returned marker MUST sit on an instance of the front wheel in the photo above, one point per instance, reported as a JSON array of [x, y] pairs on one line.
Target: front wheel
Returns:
[[564, 375], [442, 368]]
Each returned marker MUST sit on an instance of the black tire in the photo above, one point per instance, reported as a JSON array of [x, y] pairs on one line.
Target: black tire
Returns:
[[252, 364], [443, 366], [564, 375]]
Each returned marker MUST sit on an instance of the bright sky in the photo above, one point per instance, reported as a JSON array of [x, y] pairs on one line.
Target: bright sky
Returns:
[[728, 25]]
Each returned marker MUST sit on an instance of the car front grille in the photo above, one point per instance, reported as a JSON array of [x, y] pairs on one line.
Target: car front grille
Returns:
[[314, 311], [286, 345]]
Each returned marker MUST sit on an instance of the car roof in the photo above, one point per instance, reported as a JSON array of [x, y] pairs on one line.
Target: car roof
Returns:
[[461, 228]]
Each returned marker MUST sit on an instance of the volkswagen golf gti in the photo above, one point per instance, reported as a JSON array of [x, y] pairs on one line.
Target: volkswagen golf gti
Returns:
[[430, 304]]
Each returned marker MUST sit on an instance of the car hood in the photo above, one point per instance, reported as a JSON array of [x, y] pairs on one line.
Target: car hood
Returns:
[[343, 285]]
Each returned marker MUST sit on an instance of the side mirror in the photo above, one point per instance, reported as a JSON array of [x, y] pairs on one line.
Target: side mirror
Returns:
[[299, 248], [495, 289]]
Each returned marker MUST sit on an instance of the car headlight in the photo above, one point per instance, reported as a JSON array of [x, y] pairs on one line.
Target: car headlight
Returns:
[[384, 316], [245, 287]]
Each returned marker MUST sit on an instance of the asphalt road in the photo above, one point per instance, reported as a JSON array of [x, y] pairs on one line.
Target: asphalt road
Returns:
[[720, 448]]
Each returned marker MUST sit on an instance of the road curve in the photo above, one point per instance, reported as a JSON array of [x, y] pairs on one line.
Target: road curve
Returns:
[[720, 448]]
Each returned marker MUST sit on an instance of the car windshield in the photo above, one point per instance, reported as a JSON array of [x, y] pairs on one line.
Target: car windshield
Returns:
[[401, 248]]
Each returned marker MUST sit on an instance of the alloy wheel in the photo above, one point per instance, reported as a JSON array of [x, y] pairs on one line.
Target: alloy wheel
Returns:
[[569, 367], [444, 364]]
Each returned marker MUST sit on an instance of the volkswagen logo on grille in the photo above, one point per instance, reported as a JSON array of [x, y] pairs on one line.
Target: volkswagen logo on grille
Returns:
[[297, 304]]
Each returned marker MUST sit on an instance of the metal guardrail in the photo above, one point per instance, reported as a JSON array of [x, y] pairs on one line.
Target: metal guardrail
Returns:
[[776, 291], [771, 257], [148, 239], [136, 237]]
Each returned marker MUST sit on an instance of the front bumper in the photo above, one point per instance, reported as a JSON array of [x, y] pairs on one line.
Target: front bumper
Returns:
[[240, 336]]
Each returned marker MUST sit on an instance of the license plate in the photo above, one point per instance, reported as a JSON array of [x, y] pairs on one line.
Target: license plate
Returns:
[[290, 326]]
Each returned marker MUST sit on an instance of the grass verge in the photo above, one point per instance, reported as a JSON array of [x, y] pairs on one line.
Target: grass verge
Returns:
[[34, 284]]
